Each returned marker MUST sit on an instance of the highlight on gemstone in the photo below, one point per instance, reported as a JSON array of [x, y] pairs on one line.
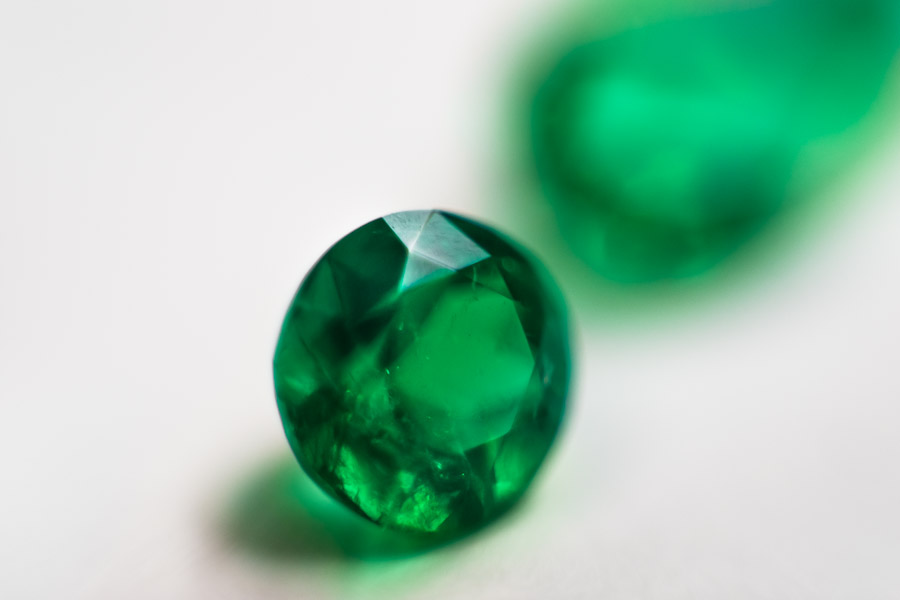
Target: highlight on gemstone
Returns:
[[664, 147], [421, 372]]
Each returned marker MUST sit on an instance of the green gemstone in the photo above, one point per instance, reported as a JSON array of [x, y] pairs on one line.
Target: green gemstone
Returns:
[[664, 148], [421, 372]]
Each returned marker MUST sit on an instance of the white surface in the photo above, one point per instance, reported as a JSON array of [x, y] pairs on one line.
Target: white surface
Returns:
[[168, 172]]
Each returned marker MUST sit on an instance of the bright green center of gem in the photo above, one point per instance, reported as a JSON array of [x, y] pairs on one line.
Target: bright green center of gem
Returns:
[[421, 371]]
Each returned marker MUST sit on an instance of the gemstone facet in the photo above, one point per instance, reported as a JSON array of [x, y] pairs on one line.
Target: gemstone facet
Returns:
[[422, 371]]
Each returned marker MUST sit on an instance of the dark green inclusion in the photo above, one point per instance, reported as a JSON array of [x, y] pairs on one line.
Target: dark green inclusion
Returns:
[[663, 148], [421, 372]]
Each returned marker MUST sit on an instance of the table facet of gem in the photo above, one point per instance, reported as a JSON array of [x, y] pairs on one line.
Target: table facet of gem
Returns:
[[422, 371]]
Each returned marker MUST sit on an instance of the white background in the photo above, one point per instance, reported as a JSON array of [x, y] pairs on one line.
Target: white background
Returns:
[[168, 173]]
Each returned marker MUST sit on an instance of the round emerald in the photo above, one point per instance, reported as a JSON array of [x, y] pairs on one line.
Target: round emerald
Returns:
[[421, 372]]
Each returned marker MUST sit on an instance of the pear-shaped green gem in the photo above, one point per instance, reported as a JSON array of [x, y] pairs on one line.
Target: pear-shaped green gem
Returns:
[[664, 148]]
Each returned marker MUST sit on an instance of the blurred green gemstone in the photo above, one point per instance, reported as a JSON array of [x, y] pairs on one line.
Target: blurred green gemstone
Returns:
[[421, 371], [664, 148]]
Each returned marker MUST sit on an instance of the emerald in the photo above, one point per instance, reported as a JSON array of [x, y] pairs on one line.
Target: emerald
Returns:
[[421, 371], [664, 148]]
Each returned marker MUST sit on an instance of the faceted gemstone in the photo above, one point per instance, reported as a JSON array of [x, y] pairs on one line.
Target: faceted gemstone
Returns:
[[421, 371], [663, 148]]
